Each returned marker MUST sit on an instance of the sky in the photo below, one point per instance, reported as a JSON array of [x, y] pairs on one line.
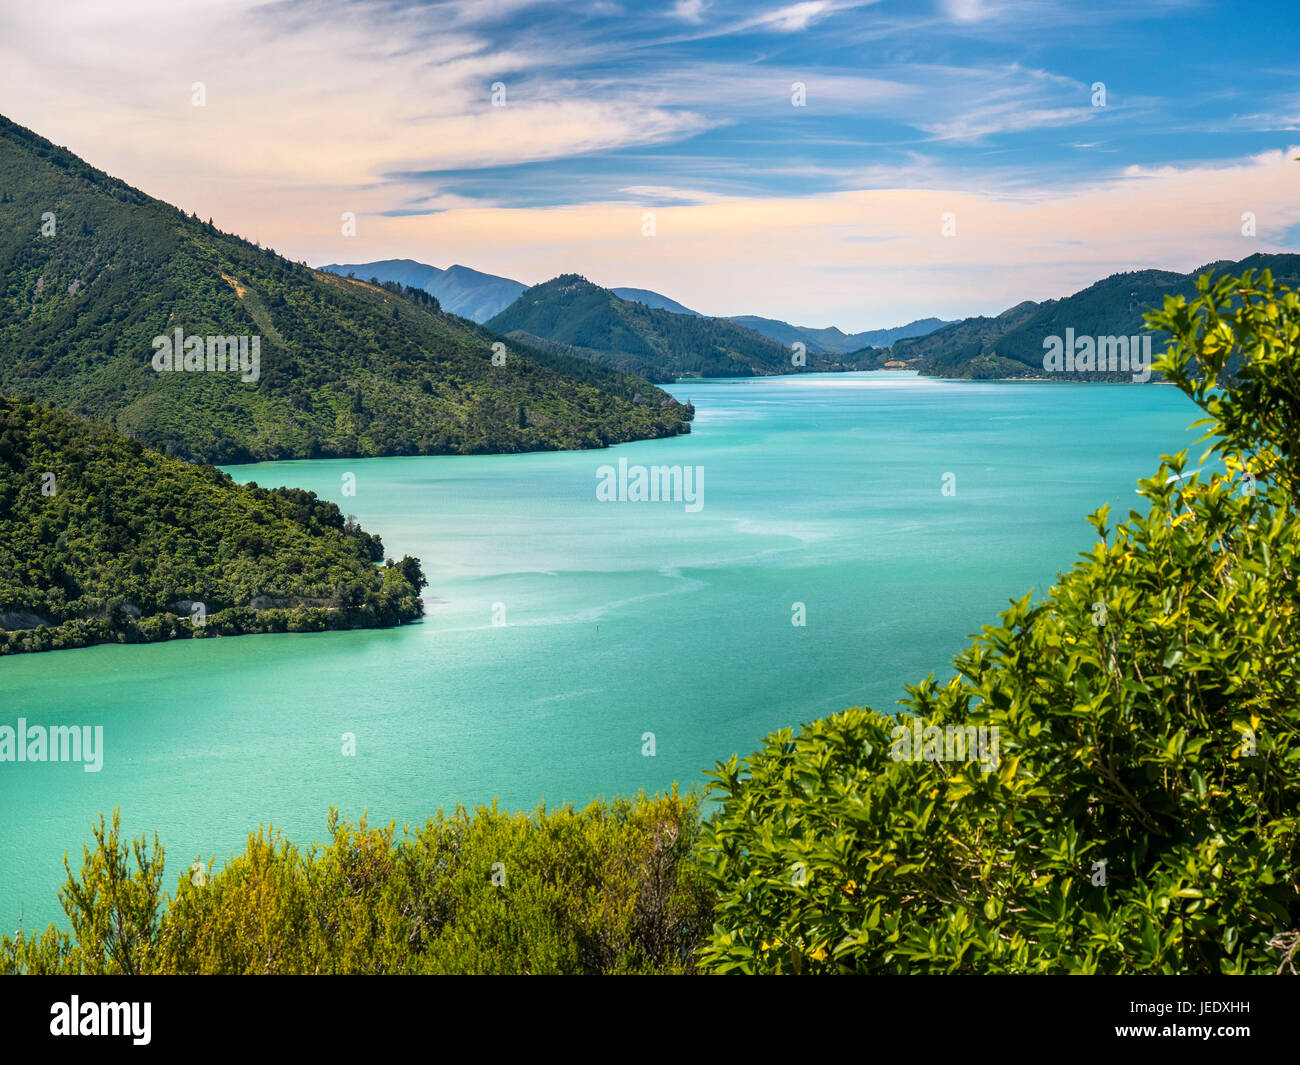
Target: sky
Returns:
[[824, 162]]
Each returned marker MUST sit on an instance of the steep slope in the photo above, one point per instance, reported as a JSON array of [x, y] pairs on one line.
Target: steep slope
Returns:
[[473, 295], [1011, 345], [653, 299], [95, 275], [590, 321], [103, 540]]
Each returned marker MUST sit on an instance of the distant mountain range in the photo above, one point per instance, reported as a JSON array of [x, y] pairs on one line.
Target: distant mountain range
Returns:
[[460, 290], [832, 341], [653, 299], [637, 331], [570, 315], [1012, 344], [479, 297]]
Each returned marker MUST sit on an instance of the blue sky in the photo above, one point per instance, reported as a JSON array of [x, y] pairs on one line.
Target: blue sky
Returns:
[[828, 213], [1000, 89]]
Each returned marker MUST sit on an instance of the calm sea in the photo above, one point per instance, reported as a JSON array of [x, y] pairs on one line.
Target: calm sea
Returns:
[[561, 630]]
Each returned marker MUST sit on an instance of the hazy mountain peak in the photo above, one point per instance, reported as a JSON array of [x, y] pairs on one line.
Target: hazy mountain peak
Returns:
[[459, 289]]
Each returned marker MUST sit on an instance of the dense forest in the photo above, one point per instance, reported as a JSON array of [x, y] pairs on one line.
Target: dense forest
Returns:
[[92, 271], [1141, 813], [1011, 344], [104, 540], [570, 315]]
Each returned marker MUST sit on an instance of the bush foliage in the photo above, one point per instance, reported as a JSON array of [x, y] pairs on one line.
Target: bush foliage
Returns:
[[606, 889], [1147, 716]]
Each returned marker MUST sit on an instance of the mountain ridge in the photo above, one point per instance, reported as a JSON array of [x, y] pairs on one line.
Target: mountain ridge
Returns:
[[831, 340], [459, 290], [585, 319], [828, 340]]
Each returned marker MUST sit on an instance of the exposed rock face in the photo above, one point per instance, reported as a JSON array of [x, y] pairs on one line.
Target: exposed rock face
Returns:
[[16, 618], [21, 619]]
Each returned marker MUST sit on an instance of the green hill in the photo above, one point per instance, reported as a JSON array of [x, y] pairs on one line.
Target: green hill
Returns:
[[92, 271], [570, 314], [953, 345], [103, 540], [1011, 345]]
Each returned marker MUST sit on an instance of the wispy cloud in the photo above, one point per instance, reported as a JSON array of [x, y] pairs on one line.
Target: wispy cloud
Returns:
[[797, 17], [968, 10], [527, 136], [870, 258], [689, 10]]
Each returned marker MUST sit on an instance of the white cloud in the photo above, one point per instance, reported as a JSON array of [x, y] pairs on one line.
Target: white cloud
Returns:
[[795, 17], [859, 259], [317, 110], [337, 97], [966, 10]]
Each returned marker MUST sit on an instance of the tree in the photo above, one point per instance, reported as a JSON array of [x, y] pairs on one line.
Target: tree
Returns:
[[409, 568]]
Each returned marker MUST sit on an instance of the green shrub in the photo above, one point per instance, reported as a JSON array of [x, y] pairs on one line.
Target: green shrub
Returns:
[[606, 889], [1142, 814]]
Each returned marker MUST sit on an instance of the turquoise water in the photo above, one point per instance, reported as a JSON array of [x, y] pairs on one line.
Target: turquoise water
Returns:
[[621, 618]]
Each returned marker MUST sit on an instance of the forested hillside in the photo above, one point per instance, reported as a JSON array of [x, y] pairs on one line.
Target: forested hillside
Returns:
[[92, 271], [103, 540], [1011, 344], [591, 322]]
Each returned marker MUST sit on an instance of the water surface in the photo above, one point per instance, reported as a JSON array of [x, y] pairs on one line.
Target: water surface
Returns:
[[619, 618]]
